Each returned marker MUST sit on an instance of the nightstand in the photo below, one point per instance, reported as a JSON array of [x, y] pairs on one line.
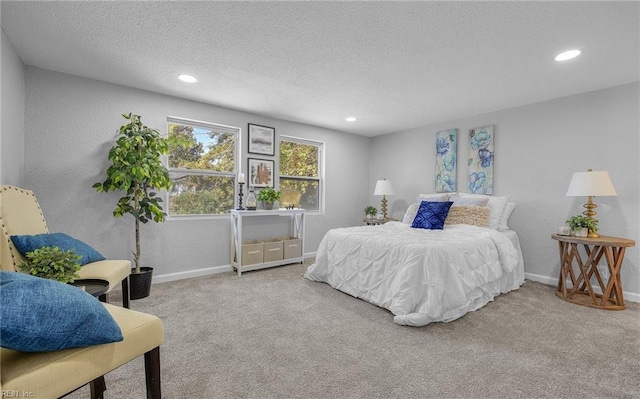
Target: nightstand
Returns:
[[578, 267], [375, 221]]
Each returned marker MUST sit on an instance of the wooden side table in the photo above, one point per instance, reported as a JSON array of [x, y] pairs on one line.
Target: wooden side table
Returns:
[[376, 221], [580, 270]]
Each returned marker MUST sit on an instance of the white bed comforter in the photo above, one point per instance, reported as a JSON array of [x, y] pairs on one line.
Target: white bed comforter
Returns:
[[420, 275]]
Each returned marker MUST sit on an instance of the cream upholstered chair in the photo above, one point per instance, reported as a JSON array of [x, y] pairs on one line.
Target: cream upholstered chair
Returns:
[[20, 214], [55, 374]]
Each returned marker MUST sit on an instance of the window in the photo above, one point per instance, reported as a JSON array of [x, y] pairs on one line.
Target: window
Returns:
[[300, 173], [203, 169]]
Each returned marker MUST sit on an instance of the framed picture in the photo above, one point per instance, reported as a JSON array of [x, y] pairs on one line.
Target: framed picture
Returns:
[[446, 160], [261, 139], [260, 173], [480, 164]]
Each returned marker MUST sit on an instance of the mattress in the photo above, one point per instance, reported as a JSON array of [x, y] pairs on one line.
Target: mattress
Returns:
[[421, 276]]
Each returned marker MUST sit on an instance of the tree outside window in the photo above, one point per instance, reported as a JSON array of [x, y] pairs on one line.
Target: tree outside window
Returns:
[[300, 169], [203, 170]]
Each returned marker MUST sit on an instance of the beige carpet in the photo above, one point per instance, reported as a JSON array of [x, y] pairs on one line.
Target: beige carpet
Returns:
[[273, 334]]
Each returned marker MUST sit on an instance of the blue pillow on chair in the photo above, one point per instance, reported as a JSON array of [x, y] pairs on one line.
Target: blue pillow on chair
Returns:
[[431, 215], [42, 315], [26, 244]]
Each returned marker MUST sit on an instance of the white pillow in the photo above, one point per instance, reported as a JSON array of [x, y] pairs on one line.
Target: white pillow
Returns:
[[410, 214], [468, 201], [504, 222], [432, 197], [496, 206]]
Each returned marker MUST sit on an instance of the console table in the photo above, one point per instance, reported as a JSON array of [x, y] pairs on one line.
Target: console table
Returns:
[[237, 225], [579, 270]]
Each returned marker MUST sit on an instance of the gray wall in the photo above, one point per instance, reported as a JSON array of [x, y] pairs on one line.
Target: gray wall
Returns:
[[537, 149], [71, 122], [70, 125], [12, 116]]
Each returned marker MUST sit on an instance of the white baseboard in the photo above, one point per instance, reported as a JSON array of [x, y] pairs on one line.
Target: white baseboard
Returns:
[[541, 279], [628, 296], [163, 278]]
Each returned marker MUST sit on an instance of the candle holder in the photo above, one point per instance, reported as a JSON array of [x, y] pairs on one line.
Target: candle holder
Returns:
[[240, 194]]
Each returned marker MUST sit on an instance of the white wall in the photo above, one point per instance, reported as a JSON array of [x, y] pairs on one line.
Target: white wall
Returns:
[[12, 116], [70, 125], [537, 149]]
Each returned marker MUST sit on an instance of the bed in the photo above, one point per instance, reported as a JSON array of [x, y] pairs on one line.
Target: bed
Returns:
[[420, 275]]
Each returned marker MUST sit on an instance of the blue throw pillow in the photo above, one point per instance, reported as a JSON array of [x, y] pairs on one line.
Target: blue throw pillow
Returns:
[[431, 215], [26, 244], [42, 315]]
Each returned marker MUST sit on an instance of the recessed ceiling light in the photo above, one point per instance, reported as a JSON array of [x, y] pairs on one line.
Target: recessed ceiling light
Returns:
[[567, 55], [187, 78], [351, 119]]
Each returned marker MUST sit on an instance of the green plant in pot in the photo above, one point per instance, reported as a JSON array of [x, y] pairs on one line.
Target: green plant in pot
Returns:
[[579, 222], [137, 170], [52, 263], [269, 196], [370, 211]]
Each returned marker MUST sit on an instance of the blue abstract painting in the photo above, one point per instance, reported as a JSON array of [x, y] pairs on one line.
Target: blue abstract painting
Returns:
[[446, 160], [480, 165]]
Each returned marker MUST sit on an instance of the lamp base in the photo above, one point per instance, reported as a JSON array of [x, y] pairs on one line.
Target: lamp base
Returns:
[[593, 234], [383, 207]]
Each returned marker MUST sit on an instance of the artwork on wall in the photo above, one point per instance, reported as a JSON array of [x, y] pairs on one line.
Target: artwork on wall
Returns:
[[446, 160], [480, 165], [260, 173], [261, 139]]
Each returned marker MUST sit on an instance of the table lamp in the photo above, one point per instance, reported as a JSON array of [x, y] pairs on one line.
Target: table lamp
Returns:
[[384, 188], [591, 184]]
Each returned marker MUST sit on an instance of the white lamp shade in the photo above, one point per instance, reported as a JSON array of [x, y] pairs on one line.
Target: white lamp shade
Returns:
[[383, 187], [595, 184]]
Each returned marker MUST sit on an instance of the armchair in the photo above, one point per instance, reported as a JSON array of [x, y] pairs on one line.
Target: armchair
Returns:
[[20, 214], [55, 374]]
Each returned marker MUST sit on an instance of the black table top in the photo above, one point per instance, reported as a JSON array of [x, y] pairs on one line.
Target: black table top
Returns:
[[95, 287]]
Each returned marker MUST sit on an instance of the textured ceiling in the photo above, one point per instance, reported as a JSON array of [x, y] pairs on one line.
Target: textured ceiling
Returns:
[[393, 65]]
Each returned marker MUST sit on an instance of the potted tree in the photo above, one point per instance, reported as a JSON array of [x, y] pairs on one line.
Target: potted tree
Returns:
[[52, 263], [370, 211], [138, 171], [582, 225], [269, 196]]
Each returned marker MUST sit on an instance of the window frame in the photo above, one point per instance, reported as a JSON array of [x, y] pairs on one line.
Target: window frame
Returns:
[[321, 161], [237, 159]]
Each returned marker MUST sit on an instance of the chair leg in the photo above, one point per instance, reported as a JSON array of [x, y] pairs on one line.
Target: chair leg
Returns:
[[125, 293], [152, 373], [98, 386]]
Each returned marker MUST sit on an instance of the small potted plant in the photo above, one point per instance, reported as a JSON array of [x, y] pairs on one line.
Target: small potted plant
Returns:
[[52, 263], [269, 196], [370, 211], [582, 225]]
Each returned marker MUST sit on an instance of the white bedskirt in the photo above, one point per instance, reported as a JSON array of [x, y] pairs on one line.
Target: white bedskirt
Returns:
[[421, 276]]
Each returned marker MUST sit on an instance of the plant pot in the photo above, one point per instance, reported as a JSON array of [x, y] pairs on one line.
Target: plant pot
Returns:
[[369, 216], [268, 205], [140, 283], [583, 232]]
